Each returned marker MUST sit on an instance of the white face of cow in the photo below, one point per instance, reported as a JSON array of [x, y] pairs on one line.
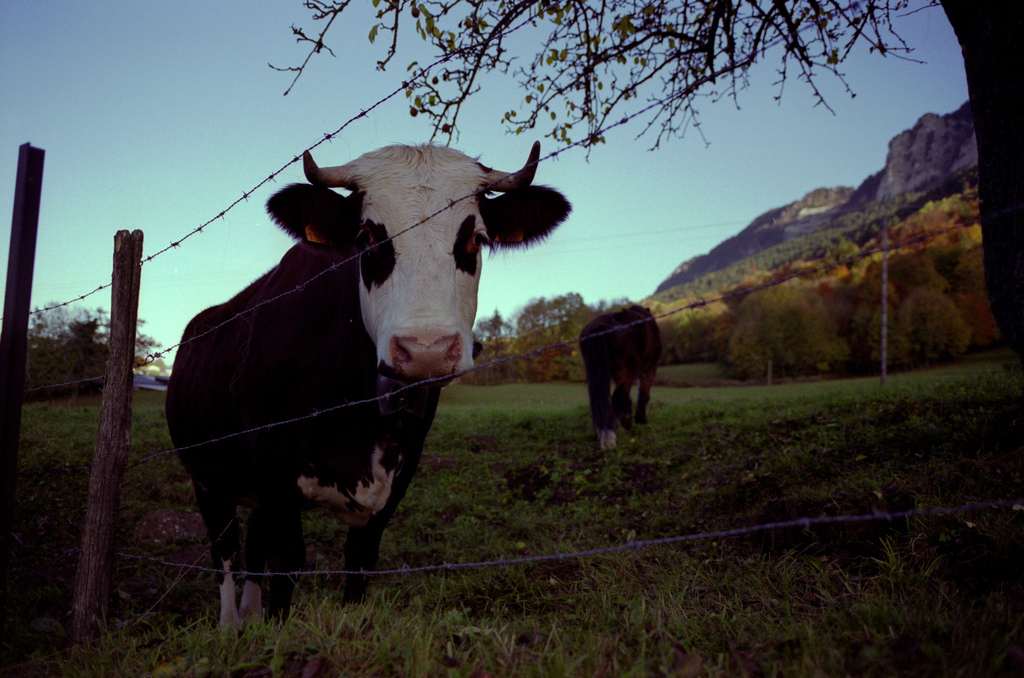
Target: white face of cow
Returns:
[[421, 229], [420, 316]]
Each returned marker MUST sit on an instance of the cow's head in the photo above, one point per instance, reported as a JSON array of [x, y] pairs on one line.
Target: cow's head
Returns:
[[420, 215]]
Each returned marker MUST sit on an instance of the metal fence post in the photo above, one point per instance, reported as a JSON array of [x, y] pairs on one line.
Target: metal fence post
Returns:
[[14, 342]]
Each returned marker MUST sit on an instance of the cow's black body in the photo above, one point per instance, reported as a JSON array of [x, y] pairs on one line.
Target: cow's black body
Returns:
[[622, 347], [305, 352]]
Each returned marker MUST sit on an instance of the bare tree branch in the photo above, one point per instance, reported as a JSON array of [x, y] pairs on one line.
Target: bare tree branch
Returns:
[[599, 61]]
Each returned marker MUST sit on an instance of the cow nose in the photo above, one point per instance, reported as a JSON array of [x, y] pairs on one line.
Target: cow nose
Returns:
[[425, 355]]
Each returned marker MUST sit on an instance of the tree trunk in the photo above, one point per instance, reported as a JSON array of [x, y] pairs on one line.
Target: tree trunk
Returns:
[[989, 32]]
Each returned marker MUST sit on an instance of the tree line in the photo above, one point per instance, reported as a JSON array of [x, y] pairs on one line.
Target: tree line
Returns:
[[545, 330], [68, 351]]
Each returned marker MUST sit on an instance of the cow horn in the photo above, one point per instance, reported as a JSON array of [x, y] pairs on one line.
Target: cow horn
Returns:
[[326, 176], [503, 182]]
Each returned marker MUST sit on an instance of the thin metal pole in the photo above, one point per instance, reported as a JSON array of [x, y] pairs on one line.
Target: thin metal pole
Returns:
[[884, 339], [14, 343]]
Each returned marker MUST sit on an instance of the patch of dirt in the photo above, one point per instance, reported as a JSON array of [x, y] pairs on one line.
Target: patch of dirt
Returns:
[[646, 478], [193, 554], [528, 480], [562, 495], [481, 443], [435, 463], [161, 526]]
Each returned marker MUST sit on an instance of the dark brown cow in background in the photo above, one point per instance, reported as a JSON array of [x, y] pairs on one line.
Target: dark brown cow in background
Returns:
[[623, 347]]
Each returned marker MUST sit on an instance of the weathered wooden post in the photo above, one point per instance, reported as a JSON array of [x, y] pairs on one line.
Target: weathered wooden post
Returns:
[[14, 342], [96, 562]]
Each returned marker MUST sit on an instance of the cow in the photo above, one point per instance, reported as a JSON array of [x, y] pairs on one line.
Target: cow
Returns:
[[317, 384], [623, 347]]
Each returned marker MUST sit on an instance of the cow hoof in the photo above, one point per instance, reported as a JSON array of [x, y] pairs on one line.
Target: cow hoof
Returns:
[[607, 439]]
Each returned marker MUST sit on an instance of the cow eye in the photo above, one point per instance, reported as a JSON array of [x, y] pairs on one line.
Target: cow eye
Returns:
[[364, 238]]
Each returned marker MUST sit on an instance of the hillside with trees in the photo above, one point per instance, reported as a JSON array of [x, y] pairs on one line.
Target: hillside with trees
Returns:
[[937, 157], [827, 321], [842, 236], [810, 307]]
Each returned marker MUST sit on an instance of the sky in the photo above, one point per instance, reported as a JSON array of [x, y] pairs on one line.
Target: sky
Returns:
[[159, 115]]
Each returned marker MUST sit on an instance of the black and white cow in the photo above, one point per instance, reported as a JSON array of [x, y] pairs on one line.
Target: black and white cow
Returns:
[[314, 334]]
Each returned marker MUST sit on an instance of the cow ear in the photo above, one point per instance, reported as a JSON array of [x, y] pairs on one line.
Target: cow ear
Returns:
[[316, 216], [523, 216]]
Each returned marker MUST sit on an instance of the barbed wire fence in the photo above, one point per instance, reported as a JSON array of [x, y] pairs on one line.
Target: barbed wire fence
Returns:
[[423, 73], [655, 103], [805, 523], [702, 303]]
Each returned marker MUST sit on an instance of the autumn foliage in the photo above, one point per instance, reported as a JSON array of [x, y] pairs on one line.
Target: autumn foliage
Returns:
[[828, 322], [823, 318]]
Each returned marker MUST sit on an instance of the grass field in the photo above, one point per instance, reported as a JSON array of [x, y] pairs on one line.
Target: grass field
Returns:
[[514, 472]]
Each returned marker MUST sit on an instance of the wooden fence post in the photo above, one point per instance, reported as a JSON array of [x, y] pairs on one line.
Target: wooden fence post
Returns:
[[96, 562], [14, 342]]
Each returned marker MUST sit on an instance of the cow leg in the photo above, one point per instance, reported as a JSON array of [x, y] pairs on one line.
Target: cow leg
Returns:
[[275, 542], [362, 544], [622, 405], [219, 514], [362, 548], [605, 421], [256, 562], [643, 395], [606, 412]]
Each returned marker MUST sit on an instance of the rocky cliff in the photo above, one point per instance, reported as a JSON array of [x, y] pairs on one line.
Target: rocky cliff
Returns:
[[936, 148], [933, 151]]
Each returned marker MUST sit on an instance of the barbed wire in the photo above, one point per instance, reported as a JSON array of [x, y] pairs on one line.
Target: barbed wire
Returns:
[[562, 344], [329, 136], [152, 357], [700, 303], [805, 523], [677, 94], [53, 469], [86, 380], [72, 301]]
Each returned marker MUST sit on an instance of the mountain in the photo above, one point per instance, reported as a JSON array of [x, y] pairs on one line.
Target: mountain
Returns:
[[935, 151]]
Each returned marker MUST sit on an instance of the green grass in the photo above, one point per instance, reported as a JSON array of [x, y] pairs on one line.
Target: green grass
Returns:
[[515, 471]]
